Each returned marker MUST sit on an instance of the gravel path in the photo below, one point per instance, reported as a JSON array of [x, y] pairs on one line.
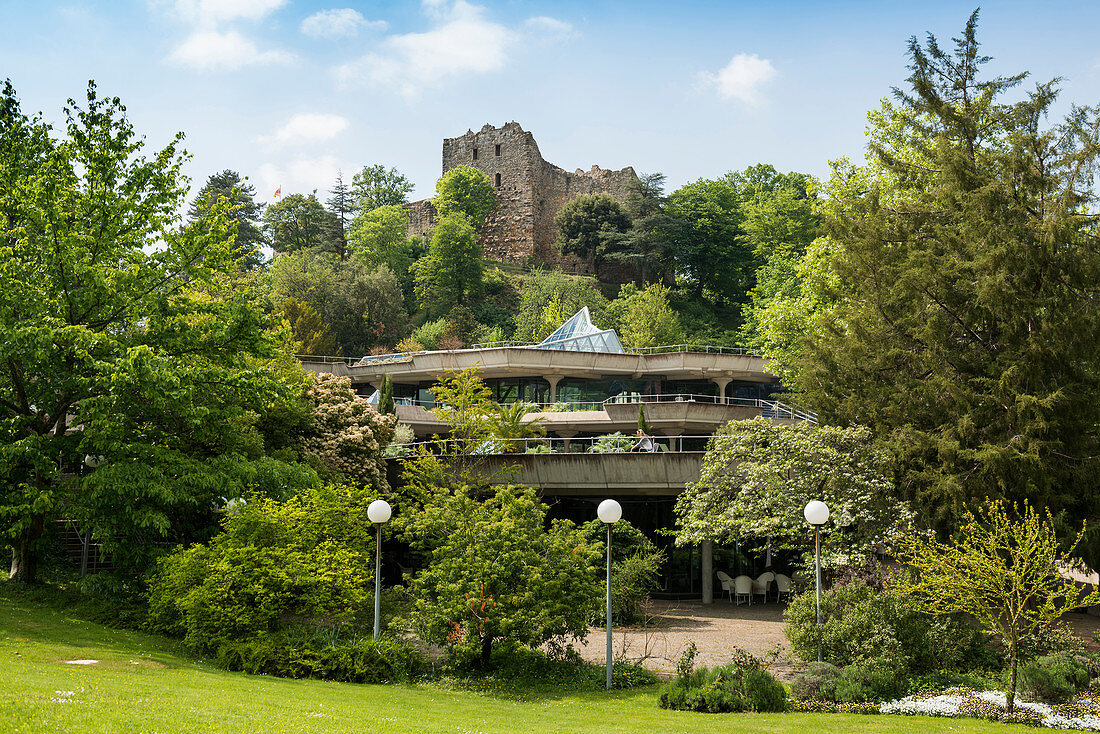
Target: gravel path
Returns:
[[717, 628]]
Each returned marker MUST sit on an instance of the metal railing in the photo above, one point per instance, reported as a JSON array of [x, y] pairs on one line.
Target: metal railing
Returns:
[[616, 443], [326, 359], [664, 349]]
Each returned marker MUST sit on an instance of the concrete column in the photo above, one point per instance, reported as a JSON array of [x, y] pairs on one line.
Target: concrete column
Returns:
[[721, 382], [554, 380], [706, 553]]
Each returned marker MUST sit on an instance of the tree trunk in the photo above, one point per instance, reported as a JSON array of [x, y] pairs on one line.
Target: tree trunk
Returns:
[[24, 557], [486, 651], [1012, 683]]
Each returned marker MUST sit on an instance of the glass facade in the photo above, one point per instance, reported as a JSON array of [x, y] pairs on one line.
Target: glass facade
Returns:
[[579, 334]]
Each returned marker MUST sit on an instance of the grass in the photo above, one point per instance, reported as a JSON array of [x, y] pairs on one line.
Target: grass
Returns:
[[143, 684]]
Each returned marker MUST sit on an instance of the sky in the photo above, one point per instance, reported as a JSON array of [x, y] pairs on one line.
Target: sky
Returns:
[[289, 92]]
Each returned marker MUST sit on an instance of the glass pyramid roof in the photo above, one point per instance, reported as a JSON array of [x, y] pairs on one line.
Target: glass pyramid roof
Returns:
[[579, 334]]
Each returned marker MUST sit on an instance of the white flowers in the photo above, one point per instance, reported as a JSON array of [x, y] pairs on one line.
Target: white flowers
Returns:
[[1081, 714]]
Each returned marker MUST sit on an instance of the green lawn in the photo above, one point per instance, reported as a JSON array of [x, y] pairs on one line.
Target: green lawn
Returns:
[[141, 685]]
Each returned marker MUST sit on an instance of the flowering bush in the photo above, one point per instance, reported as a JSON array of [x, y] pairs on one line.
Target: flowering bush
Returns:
[[741, 685], [346, 436]]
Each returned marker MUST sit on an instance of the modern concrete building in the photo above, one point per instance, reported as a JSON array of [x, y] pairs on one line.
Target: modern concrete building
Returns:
[[587, 387]]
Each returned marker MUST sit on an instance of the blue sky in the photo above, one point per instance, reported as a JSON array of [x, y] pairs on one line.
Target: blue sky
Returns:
[[287, 91]]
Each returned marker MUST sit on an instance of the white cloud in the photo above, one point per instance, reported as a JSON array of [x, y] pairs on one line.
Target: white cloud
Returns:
[[307, 128], [545, 26], [341, 23], [742, 78], [208, 13], [214, 51], [300, 176], [463, 41]]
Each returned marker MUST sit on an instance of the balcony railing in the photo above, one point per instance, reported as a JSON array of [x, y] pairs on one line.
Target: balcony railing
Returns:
[[382, 358], [611, 444]]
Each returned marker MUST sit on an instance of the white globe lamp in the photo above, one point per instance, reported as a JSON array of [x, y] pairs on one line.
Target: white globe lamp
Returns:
[[609, 511], [378, 512], [816, 512]]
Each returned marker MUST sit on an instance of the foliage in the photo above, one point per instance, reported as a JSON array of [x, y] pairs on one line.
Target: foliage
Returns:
[[741, 685], [567, 295], [758, 475], [644, 318], [709, 250], [467, 191], [863, 626], [385, 396], [585, 220], [1054, 678], [450, 274], [342, 204], [109, 345], [329, 654], [516, 668], [346, 435], [429, 334], [1003, 569], [496, 570], [465, 404], [647, 245], [379, 236], [374, 186], [360, 308], [308, 327], [636, 565], [963, 259], [302, 561], [510, 423], [299, 222], [612, 443], [243, 213]]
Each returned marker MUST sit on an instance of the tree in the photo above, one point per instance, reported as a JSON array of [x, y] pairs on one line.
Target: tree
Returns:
[[450, 274], [584, 221], [380, 237], [510, 424], [965, 267], [464, 402], [299, 222], [1004, 569], [244, 214], [308, 327], [758, 475], [465, 190], [709, 251], [497, 570], [108, 349], [342, 204], [644, 317], [374, 186], [360, 308], [646, 246], [548, 294]]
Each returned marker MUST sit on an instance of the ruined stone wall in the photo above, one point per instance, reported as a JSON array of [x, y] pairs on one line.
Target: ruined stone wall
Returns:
[[530, 190], [422, 217]]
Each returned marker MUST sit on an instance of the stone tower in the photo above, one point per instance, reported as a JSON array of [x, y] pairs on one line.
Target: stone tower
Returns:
[[530, 190]]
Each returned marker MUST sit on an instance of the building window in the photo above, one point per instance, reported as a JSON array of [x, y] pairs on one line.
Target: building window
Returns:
[[475, 154], [498, 150], [498, 179]]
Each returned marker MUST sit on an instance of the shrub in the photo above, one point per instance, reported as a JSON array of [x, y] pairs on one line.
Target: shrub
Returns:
[[1049, 639], [635, 572], [330, 654], [1053, 678], [274, 566], [741, 685], [869, 681], [612, 443], [816, 683]]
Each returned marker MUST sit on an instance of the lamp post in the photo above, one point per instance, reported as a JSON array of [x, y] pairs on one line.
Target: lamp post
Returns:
[[378, 513], [817, 514], [609, 513]]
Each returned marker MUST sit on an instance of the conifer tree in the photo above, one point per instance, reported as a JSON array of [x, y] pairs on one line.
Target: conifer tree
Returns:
[[965, 263]]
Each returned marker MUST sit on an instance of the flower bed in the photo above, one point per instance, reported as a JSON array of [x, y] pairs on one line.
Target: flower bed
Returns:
[[1080, 714]]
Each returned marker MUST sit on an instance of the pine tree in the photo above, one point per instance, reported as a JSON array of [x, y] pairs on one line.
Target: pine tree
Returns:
[[342, 204], [967, 316], [248, 239]]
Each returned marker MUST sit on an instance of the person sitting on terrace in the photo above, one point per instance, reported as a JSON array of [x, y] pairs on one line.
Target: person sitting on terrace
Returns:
[[645, 443]]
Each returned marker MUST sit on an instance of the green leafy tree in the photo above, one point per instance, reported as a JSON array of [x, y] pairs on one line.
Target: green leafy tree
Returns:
[[380, 237], [758, 475], [709, 251], [308, 327], [244, 214], [109, 349], [385, 396], [584, 222], [450, 274], [511, 424], [965, 262], [465, 190], [547, 294], [375, 186], [299, 222], [465, 403], [644, 318], [497, 571], [1004, 569], [361, 308]]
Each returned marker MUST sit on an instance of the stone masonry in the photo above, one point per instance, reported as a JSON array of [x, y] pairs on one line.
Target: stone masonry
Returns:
[[530, 190]]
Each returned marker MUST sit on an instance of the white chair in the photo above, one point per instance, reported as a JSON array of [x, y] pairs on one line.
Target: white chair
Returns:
[[742, 589], [783, 587], [726, 581], [763, 581]]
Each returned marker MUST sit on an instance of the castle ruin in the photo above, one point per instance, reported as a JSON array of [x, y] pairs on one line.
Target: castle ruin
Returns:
[[530, 190]]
